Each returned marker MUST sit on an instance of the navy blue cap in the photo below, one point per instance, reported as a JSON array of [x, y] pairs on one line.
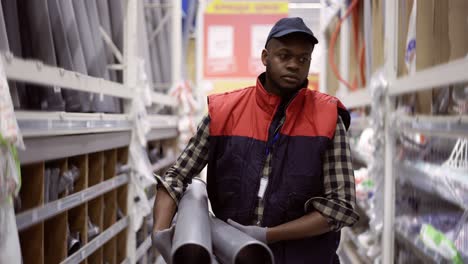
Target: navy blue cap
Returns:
[[289, 25]]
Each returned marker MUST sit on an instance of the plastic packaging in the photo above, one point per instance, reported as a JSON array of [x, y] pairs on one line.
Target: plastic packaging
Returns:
[[9, 186], [9, 130], [377, 86], [427, 220], [438, 242], [9, 174], [10, 251]]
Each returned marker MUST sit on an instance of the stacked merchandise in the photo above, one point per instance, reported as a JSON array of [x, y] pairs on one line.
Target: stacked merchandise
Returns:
[[158, 29], [432, 171], [416, 94], [68, 34], [363, 235], [432, 195]]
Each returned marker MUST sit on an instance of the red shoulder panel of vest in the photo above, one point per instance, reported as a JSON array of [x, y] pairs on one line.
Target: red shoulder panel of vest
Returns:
[[237, 114], [314, 114]]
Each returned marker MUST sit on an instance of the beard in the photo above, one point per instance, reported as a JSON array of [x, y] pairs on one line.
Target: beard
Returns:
[[276, 84]]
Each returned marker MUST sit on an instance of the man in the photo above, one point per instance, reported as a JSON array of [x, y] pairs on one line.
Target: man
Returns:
[[279, 165]]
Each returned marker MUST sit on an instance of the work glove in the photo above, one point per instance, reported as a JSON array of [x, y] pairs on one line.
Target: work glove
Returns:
[[257, 232], [163, 242]]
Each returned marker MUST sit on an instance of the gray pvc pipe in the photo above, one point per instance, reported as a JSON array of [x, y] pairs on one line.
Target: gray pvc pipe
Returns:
[[162, 44], [75, 101], [74, 44], [192, 237], [3, 32], [104, 103], [232, 246], [10, 16]]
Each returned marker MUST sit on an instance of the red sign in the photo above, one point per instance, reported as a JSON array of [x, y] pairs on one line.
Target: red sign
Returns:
[[234, 39]]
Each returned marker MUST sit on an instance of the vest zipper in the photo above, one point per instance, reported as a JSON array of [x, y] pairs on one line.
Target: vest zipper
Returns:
[[270, 152], [261, 172]]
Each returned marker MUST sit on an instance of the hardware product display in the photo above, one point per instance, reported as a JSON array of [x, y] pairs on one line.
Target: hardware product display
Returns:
[[66, 34], [37, 43]]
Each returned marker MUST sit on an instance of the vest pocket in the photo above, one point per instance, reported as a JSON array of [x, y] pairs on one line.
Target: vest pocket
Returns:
[[228, 181], [304, 186], [296, 203]]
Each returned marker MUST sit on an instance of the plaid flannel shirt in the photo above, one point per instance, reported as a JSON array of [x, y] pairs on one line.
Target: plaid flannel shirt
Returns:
[[337, 203]]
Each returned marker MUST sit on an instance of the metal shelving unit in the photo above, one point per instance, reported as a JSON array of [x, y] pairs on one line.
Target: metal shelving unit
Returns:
[[55, 147], [97, 242], [163, 99], [452, 72], [40, 214], [33, 71], [162, 133], [359, 98], [39, 124], [441, 75], [162, 121], [434, 179], [449, 126], [96, 141]]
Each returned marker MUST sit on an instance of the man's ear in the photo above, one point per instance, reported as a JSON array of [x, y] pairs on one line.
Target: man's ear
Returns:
[[264, 57]]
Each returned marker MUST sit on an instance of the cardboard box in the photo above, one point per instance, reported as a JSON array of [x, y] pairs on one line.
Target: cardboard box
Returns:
[[332, 81], [432, 43], [458, 28], [377, 34], [404, 13]]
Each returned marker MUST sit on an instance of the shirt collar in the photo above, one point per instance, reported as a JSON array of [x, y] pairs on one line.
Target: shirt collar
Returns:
[[268, 101]]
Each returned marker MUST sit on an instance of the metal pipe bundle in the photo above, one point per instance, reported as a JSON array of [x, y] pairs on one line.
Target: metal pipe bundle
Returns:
[[196, 233]]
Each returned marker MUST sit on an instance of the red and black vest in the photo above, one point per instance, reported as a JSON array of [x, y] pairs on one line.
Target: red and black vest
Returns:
[[239, 137]]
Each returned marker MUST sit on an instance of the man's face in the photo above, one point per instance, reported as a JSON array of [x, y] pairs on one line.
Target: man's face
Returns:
[[287, 61]]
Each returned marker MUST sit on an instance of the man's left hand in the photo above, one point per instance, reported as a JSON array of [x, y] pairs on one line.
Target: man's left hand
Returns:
[[257, 232]]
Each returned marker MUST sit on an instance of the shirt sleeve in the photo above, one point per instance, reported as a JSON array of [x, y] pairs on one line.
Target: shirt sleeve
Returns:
[[339, 200], [189, 164]]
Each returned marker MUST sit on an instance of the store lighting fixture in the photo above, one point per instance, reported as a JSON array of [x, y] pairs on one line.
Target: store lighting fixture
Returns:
[[305, 5]]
